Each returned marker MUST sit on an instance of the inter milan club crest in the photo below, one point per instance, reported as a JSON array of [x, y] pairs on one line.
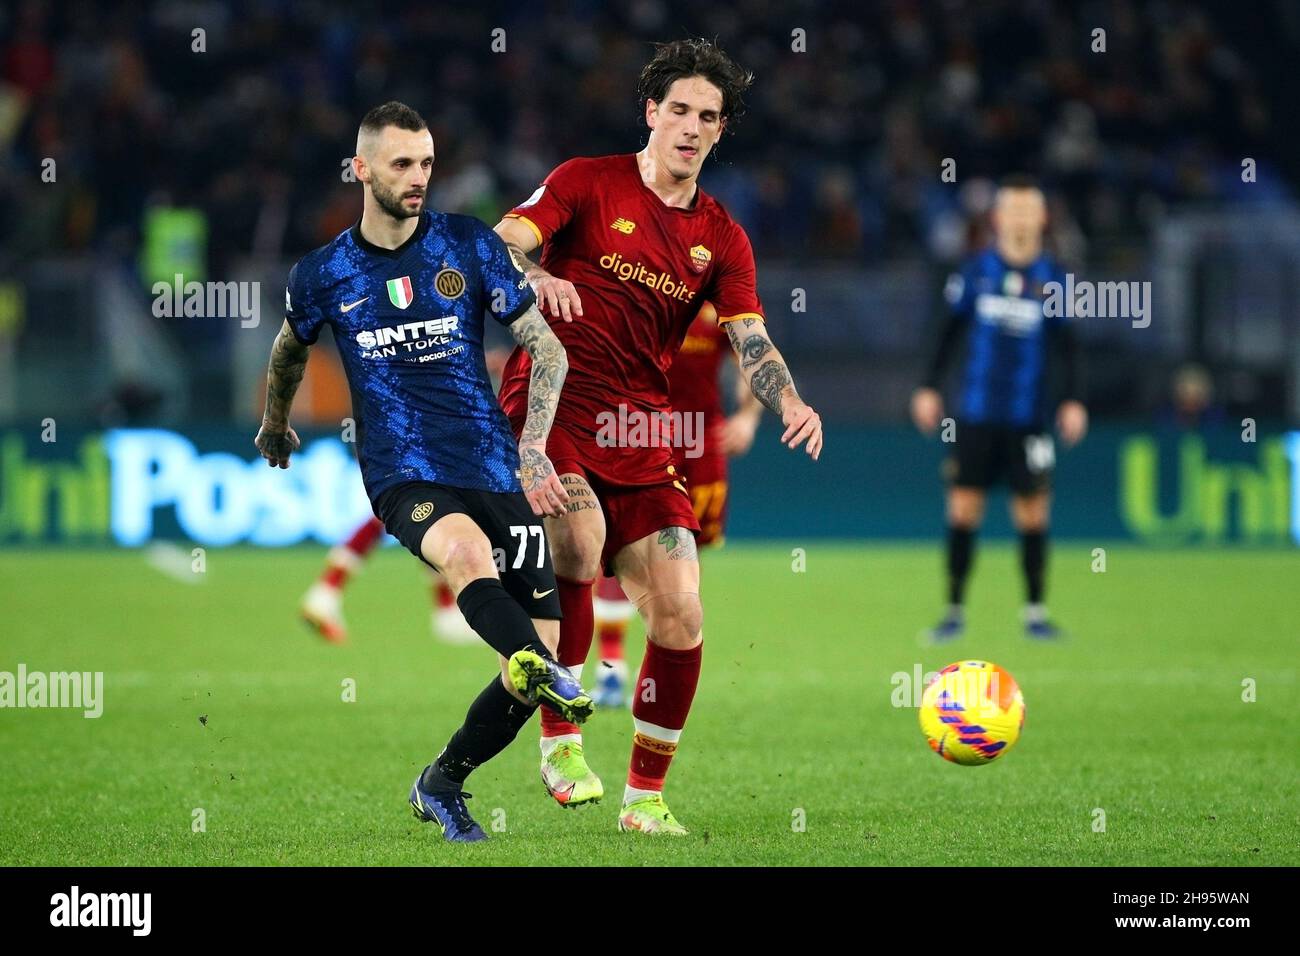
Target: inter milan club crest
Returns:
[[700, 258], [399, 292], [1013, 284], [449, 283]]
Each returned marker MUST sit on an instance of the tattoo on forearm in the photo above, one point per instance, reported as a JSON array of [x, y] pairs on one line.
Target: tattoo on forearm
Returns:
[[753, 349], [679, 543], [283, 375], [769, 383], [550, 366]]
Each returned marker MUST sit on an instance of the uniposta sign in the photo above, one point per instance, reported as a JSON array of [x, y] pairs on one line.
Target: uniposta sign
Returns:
[[127, 487]]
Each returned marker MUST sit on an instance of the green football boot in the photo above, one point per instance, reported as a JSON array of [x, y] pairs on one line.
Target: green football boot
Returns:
[[649, 814], [567, 777]]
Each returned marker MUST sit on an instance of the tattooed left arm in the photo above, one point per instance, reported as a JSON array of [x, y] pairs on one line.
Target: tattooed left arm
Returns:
[[770, 382], [542, 486]]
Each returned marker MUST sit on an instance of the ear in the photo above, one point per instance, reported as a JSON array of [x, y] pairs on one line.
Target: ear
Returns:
[[360, 169], [651, 111]]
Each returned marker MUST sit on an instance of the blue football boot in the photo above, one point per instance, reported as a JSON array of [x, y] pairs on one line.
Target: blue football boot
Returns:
[[950, 628], [447, 809], [545, 681], [610, 686]]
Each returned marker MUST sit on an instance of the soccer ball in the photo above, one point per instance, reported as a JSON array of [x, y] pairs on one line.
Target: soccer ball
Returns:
[[972, 712]]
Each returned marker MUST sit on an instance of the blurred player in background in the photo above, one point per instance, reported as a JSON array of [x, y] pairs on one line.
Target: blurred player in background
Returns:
[[1002, 433], [646, 246], [694, 388], [322, 606], [404, 291]]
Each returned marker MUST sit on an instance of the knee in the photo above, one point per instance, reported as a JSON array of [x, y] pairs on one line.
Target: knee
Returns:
[[465, 558], [576, 551], [966, 512], [674, 620]]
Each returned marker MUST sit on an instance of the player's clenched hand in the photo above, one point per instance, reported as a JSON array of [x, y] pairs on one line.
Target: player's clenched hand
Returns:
[[802, 423], [927, 409], [554, 295], [1072, 422], [277, 444], [541, 484]]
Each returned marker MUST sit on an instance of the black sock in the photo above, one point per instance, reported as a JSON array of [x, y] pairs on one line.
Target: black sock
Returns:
[[961, 551], [493, 720], [1033, 559], [498, 618]]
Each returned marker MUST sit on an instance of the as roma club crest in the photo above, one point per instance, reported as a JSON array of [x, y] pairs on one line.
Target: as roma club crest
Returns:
[[449, 283], [700, 258], [399, 292]]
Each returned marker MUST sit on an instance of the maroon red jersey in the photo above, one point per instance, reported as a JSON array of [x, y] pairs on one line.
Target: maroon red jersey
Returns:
[[643, 270]]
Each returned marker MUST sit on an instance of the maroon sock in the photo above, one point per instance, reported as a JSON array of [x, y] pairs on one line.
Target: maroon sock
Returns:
[[359, 545], [660, 702], [575, 642]]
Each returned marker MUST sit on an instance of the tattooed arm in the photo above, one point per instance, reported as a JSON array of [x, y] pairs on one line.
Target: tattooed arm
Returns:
[[542, 486], [276, 440], [769, 380], [557, 296]]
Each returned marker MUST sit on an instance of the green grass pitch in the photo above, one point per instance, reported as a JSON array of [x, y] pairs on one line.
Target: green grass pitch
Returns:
[[1139, 715]]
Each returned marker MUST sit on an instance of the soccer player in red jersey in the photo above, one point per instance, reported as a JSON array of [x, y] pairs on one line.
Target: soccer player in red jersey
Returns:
[[711, 437], [631, 247]]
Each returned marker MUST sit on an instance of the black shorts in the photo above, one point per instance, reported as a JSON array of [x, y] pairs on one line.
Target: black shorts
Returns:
[[983, 455], [518, 542]]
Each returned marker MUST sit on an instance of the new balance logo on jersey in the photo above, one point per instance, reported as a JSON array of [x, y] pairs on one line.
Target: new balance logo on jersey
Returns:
[[625, 226]]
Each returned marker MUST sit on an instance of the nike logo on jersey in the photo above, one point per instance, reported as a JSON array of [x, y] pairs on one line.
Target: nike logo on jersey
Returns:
[[538, 597], [352, 305]]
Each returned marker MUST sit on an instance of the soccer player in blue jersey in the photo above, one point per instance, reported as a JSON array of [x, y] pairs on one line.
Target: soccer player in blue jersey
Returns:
[[1001, 429], [404, 292]]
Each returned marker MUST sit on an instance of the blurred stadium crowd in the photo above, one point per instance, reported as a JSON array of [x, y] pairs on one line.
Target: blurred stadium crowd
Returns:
[[837, 158], [223, 155]]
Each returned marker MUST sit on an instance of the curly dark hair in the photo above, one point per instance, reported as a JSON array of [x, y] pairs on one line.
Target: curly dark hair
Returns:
[[679, 59]]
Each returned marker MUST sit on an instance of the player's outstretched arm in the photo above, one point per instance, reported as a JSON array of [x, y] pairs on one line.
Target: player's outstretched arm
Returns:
[[769, 380], [550, 364], [276, 440], [557, 296]]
